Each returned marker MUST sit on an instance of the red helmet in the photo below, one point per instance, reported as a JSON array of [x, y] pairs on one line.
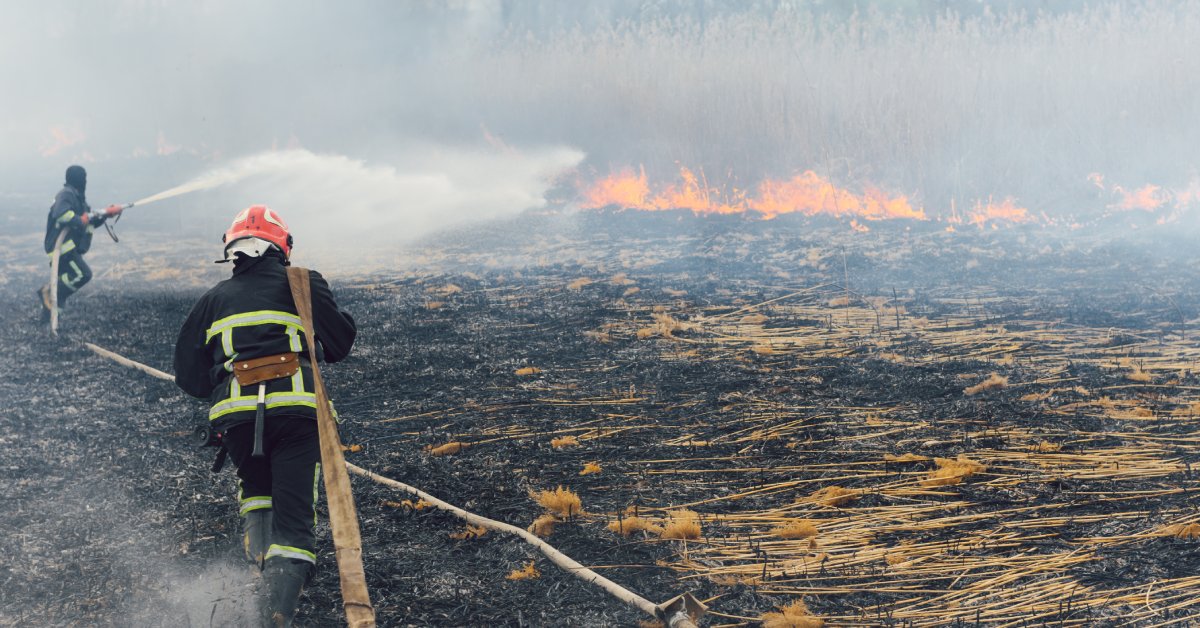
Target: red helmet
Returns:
[[260, 221]]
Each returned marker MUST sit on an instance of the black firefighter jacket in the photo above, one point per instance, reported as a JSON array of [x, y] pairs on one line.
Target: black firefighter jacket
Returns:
[[67, 211], [252, 315]]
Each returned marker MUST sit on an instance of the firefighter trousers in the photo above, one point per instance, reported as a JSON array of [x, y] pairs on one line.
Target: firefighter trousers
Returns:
[[73, 273], [285, 480]]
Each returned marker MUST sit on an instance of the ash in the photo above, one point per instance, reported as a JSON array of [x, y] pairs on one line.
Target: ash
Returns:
[[1008, 418]]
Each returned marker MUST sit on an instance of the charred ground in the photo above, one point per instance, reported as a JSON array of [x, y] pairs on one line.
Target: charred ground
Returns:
[[733, 368]]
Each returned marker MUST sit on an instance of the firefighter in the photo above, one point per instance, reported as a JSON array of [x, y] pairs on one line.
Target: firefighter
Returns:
[[71, 212], [247, 320]]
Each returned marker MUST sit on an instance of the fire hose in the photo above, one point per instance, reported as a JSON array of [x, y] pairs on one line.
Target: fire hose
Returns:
[[681, 611]]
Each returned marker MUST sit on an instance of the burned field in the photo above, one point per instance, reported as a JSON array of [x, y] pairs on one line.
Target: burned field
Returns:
[[901, 427]]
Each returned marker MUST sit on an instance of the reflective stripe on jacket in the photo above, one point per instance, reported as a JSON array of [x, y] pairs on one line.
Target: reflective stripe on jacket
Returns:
[[252, 315], [67, 212]]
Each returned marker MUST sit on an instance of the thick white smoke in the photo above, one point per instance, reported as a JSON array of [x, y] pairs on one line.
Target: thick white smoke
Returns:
[[337, 203]]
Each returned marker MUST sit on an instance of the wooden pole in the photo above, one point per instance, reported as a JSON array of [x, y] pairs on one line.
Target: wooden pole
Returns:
[[343, 518], [62, 235]]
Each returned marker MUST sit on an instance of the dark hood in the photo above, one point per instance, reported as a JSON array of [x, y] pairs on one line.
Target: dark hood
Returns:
[[77, 178]]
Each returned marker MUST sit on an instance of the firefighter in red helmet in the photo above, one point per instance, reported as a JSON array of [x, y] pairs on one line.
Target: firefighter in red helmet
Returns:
[[250, 319]]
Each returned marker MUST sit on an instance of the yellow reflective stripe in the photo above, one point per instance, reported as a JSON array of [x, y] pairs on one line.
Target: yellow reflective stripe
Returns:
[[254, 503], [67, 247], [298, 381], [66, 217], [227, 344], [283, 551], [294, 337], [247, 319], [316, 483], [70, 281], [274, 400]]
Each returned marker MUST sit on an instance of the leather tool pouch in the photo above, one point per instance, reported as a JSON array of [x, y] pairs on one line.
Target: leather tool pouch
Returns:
[[250, 372]]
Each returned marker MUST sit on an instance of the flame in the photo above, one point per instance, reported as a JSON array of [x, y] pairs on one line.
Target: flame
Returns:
[[807, 193], [62, 136], [163, 147], [1004, 211], [1146, 198], [623, 189], [1149, 197], [810, 194]]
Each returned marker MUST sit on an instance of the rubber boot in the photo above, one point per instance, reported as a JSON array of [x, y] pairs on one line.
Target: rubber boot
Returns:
[[285, 579], [256, 535], [44, 298]]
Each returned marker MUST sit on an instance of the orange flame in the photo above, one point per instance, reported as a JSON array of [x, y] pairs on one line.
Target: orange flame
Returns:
[[624, 190], [62, 136], [1146, 198], [1004, 211], [808, 194]]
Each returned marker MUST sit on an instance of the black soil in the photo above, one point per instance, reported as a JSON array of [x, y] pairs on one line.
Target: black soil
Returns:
[[109, 516]]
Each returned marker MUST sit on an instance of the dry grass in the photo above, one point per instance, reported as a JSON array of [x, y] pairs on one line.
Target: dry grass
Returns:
[[543, 526], [905, 458], [753, 319], [528, 572], [562, 442], [578, 284], [664, 325], [831, 496], [1182, 531], [795, 529], [995, 381], [600, 336], [628, 525], [682, 524], [528, 370], [952, 471], [1138, 375], [445, 290], [559, 501], [590, 468], [794, 615], [448, 449], [468, 533], [420, 504]]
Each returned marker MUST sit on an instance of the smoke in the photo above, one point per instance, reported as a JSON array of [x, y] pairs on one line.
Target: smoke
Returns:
[[1010, 98], [336, 203]]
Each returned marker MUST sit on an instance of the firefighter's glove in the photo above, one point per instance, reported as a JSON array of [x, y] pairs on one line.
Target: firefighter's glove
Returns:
[[97, 218]]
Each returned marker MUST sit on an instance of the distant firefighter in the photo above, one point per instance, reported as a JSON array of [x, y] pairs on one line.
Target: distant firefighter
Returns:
[[243, 347], [72, 213]]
